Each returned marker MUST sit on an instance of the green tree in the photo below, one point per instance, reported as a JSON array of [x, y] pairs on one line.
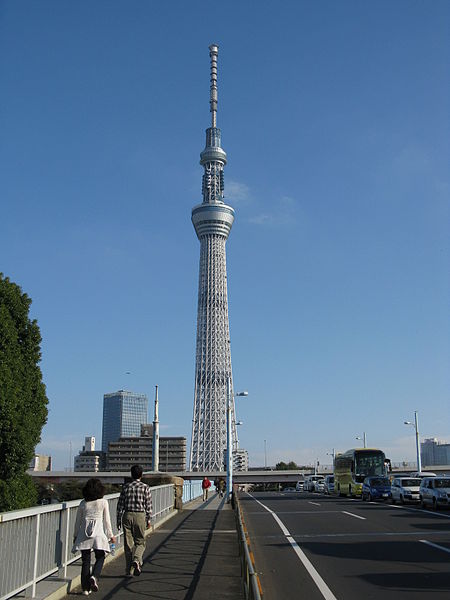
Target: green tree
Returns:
[[23, 401], [290, 466]]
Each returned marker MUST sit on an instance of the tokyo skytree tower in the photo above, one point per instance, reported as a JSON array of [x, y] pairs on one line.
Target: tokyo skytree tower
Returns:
[[212, 221]]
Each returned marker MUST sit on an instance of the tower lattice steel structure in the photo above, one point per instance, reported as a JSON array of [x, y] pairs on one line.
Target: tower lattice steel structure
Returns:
[[212, 221]]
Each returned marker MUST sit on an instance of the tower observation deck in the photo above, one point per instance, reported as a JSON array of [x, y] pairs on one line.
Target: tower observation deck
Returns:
[[212, 220]]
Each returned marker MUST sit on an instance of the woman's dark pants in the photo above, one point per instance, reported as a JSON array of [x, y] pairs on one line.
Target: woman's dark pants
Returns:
[[86, 567]]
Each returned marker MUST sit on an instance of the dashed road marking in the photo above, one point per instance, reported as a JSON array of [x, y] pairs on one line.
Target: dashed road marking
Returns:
[[353, 515], [435, 546]]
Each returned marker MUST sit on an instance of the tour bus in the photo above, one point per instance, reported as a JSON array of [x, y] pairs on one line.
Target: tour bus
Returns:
[[351, 467]]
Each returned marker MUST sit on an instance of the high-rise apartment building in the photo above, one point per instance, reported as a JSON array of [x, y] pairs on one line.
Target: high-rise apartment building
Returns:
[[212, 220], [240, 460], [123, 414], [127, 451]]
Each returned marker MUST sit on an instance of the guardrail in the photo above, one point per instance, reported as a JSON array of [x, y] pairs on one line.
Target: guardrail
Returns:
[[191, 490], [36, 542], [251, 582]]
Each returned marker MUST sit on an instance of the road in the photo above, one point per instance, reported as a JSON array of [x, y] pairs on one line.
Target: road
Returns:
[[310, 546]]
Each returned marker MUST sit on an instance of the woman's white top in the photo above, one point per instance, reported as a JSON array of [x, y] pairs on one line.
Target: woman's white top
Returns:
[[93, 526]]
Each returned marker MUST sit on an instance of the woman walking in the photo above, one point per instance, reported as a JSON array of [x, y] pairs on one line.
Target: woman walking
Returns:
[[91, 523]]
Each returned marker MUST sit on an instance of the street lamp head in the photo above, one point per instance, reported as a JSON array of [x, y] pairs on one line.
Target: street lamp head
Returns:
[[244, 393], [407, 423], [239, 422]]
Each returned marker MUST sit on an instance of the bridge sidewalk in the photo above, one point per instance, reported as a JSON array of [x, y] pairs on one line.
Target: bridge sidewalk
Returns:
[[194, 555]]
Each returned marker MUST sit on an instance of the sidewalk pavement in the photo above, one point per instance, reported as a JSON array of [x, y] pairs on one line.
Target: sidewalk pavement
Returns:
[[194, 555]]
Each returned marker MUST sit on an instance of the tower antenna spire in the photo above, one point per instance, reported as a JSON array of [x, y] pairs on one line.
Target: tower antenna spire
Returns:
[[213, 53]]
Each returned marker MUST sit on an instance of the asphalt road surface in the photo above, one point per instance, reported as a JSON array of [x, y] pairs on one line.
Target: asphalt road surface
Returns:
[[310, 546]]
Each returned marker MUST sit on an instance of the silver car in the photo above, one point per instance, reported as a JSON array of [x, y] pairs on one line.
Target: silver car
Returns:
[[435, 491], [405, 489]]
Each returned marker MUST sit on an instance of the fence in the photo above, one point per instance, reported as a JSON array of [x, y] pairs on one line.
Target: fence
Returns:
[[191, 490], [36, 542]]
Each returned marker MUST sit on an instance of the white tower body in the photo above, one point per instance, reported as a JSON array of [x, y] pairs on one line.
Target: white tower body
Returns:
[[212, 221], [155, 444]]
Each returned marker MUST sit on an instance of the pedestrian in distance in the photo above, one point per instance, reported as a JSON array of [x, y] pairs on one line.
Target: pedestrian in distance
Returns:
[[221, 487], [134, 514], [91, 532], [206, 484]]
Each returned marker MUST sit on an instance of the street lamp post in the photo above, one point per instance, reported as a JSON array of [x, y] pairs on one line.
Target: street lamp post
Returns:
[[333, 454], [363, 438], [229, 441], [265, 454], [416, 428]]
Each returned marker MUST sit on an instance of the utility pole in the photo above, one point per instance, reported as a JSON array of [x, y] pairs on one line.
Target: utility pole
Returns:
[[229, 444], [416, 427]]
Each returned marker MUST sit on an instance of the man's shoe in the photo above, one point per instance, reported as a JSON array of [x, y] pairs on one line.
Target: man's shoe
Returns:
[[94, 584], [86, 592], [137, 568]]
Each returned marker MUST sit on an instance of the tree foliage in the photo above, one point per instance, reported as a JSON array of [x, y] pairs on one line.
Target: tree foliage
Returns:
[[290, 466], [23, 400]]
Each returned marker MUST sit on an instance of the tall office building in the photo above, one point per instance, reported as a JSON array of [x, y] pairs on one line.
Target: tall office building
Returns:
[[212, 221], [123, 414]]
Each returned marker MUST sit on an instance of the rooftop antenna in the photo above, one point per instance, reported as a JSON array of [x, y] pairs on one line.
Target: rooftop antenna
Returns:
[[213, 53]]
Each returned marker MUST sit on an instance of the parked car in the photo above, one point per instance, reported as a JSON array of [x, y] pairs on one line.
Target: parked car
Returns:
[[328, 486], [299, 486], [435, 491], [310, 482], [376, 488], [405, 489], [423, 474], [289, 489], [319, 485]]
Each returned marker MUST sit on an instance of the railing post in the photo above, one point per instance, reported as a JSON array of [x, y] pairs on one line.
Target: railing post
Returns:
[[66, 549], [36, 554]]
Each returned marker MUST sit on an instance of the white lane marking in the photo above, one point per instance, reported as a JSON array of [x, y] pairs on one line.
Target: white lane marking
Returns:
[[320, 583], [295, 512], [315, 503], [435, 546], [352, 515]]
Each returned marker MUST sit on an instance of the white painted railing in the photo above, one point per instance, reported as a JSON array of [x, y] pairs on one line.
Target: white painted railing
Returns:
[[36, 542], [191, 490]]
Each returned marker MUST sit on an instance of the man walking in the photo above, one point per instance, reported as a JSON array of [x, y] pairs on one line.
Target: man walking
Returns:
[[134, 513]]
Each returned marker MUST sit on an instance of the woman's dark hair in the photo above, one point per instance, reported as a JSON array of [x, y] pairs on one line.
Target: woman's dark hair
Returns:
[[93, 490]]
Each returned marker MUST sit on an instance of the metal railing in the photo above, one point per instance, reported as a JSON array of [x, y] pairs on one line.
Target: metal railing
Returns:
[[36, 542], [250, 577], [191, 490]]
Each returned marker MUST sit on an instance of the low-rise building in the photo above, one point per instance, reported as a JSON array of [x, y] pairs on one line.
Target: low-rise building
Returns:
[[41, 462], [89, 459], [434, 452]]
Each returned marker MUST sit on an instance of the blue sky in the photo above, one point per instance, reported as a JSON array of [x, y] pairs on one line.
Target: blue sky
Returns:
[[335, 120]]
